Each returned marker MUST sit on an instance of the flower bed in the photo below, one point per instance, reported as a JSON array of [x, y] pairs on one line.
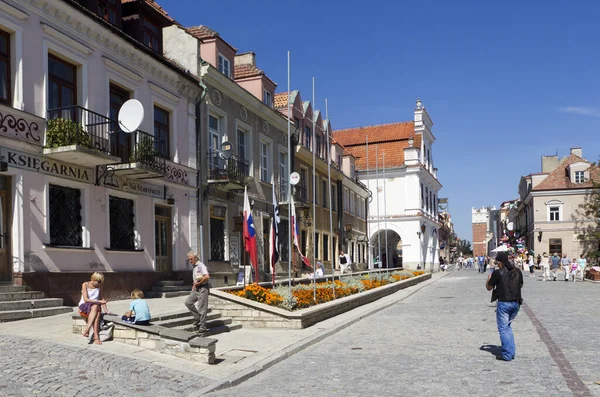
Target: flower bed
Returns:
[[303, 295]]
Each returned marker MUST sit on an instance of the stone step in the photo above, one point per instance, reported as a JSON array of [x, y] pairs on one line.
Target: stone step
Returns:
[[170, 282], [219, 329], [169, 316], [171, 288], [19, 296], [12, 288], [30, 304], [14, 315], [185, 321], [152, 295], [213, 324]]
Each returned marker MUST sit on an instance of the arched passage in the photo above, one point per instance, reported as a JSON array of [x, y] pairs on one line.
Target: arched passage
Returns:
[[387, 246]]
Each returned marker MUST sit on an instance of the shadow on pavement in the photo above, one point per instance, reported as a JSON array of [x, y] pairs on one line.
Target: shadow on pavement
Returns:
[[493, 349]]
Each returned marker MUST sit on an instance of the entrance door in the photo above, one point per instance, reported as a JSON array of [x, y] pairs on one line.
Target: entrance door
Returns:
[[5, 261], [162, 236]]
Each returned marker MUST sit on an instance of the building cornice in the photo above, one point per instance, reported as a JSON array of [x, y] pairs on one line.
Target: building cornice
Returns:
[[563, 192], [75, 23], [115, 67], [66, 40], [14, 12]]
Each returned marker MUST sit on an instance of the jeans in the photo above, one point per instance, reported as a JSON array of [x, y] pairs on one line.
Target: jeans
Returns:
[[505, 314]]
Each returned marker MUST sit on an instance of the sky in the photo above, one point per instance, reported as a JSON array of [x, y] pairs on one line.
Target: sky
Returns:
[[505, 82]]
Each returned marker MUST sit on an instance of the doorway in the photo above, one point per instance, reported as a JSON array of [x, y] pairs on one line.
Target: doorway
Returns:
[[162, 236], [5, 254]]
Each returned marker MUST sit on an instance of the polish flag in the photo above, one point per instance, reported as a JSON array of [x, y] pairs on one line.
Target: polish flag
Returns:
[[250, 234]]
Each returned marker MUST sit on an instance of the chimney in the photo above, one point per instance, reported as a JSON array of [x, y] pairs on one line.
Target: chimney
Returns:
[[577, 151], [247, 58], [549, 163]]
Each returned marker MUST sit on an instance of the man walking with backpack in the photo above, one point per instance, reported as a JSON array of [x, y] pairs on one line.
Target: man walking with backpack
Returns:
[[506, 283]]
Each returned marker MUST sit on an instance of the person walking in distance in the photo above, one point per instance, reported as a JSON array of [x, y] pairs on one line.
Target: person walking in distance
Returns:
[[199, 293], [531, 266], [555, 265], [506, 283], [582, 263], [566, 264], [545, 264]]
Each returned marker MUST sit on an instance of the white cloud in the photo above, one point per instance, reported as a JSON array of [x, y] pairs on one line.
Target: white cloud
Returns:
[[581, 110]]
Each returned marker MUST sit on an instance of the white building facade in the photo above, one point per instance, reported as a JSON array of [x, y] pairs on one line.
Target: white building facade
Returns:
[[403, 210]]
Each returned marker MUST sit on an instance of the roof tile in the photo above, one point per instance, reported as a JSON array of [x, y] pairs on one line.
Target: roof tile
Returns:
[[203, 32], [376, 133], [559, 179]]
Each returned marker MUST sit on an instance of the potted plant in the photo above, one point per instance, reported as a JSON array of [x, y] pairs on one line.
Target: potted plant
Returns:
[[145, 152], [66, 132]]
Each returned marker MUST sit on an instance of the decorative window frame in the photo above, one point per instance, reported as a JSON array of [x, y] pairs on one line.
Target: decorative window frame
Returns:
[[583, 172], [554, 203], [220, 55], [70, 50], [128, 196], [85, 205], [119, 75], [14, 28]]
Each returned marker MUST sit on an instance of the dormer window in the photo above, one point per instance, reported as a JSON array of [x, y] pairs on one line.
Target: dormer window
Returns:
[[579, 176], [224, 66], [151, 35], [267, 98], [107, 9]]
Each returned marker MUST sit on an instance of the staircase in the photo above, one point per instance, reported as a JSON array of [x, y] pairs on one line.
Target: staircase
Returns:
[[16, 303], [169, 289], [184, 321]]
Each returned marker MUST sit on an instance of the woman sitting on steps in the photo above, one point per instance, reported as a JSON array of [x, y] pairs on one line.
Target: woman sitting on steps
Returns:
[[91, 305]]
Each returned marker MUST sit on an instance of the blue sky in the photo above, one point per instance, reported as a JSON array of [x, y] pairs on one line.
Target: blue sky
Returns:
[[505, 82]]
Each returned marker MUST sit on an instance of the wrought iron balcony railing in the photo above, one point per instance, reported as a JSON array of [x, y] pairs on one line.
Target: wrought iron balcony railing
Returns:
[[139, 147], [232, 169], [75, 125]]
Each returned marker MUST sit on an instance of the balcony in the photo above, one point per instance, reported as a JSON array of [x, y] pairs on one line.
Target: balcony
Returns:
[[301, 196], [229, 174], [79, 136], [139, 155], [281, 189]]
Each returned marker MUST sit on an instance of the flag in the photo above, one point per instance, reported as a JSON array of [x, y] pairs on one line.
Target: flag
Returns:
[[274, 236], [250, 233], [295, 232]]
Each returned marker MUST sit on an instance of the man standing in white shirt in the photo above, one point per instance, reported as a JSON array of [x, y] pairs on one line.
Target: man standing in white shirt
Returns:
[[199, 293], [344, 262]]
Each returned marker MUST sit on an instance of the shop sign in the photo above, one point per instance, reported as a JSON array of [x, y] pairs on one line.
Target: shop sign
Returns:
[[145, 189], [44, 165]]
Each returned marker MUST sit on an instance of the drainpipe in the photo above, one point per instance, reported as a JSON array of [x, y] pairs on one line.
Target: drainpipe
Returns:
[[199, 212]]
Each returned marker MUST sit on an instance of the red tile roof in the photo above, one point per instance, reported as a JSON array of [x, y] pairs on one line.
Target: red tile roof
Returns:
[[245, 71], [204, 32], [559, 179], [376, 133], [394, 154], [280, 100]]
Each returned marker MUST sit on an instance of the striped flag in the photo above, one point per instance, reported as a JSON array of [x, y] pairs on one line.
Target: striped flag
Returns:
[[250, 234], [295, 232]]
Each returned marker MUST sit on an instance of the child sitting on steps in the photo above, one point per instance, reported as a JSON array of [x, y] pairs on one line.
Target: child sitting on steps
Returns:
[[139, 312]]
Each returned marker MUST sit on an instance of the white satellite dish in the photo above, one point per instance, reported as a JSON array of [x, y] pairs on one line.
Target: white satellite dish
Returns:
[[131, 115], [510, 226]]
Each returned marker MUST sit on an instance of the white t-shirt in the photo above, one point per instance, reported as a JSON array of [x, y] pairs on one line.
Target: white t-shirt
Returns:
[[199, 270]]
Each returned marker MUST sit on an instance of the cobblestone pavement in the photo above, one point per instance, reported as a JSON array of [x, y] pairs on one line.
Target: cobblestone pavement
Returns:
[[441, 342], [40, 368]]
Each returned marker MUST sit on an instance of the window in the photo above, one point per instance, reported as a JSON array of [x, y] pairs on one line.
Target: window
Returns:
[[283, 239], [118, 96], [267, 98], [62, 83], [151, 35], [554, 213], [161, 131], [65, 216], [297, 122], [303, 183], [283, 175], [318, 144], [333, 199], [339, 161], [122, 235], [555, 246], [579, 176], [217, 233], [5, 91], [316, 247], [422, 198], [107, 9], [427, 199], [324, 193], [265, 172], [303, 242], [307, 137], [224, 65], [241, 144], [326, 247]]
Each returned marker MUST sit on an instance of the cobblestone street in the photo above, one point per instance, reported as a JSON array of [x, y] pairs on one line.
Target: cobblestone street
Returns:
[[438, 341], [433, 344]]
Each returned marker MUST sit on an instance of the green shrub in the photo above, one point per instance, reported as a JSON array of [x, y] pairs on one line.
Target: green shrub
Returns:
[[65, 132]]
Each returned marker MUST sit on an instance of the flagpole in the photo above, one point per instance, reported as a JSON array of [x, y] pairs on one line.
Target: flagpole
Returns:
[[289, 185], [387, 261], [330, 206], [314, 183], [378, 220], [369, 253]]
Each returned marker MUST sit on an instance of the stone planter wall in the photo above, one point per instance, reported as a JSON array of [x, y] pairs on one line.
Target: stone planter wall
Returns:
[[258, 315]]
